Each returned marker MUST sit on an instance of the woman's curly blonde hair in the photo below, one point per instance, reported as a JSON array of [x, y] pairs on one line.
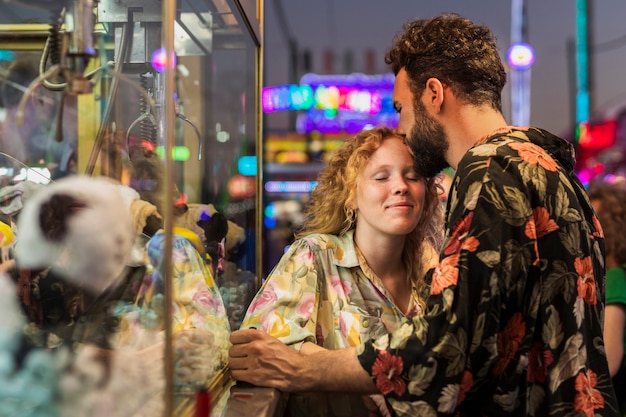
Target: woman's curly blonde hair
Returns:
[[329, 210]]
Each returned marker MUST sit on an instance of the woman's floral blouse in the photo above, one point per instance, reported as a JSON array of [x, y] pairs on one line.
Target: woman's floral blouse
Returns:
[[514, 323], [322, 291]]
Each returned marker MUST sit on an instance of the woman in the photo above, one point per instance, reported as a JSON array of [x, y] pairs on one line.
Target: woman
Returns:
[[609, 202], [356, 270]]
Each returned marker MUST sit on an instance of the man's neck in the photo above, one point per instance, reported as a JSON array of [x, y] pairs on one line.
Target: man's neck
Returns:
[[470, 125]]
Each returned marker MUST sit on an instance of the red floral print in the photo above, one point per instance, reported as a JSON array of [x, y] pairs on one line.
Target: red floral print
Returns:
[[531, 229], [466, 384], [586, 281], [538, 362], [533, 154], [509, 341], [531, 232], [387, 369], [599, 232], [459, 233], [446, 274], [543, 223], [587, 397], [471, 244]]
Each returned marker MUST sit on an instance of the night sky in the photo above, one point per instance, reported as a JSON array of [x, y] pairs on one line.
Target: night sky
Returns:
[[359, 25]]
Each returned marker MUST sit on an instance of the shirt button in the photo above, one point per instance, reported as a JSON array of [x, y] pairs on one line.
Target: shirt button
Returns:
[[366, 323]]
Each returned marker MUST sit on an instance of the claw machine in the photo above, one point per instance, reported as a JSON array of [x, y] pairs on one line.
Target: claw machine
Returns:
[[129, 211]]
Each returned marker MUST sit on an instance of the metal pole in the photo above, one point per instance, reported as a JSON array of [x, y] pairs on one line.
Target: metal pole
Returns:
[[582, 63], [520, 79], [169, 17]]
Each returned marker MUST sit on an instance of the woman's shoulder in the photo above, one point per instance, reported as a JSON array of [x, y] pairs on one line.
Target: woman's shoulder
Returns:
[[319, 241]]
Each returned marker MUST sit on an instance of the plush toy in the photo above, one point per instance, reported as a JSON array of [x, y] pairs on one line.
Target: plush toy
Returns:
[[28, 377], [85, 381], [6, 232], [234, 237], [12, 197], [209, 228], [79, 232], [7, 238], [80, 226], [215, 228]]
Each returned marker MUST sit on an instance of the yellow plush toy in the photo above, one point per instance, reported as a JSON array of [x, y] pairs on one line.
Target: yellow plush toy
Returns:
[[6, 235]]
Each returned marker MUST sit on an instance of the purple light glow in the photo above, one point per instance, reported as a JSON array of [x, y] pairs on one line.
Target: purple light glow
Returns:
[[159, 60]]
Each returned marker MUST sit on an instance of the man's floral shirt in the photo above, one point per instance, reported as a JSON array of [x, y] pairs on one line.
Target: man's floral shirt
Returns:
[[514, 322]]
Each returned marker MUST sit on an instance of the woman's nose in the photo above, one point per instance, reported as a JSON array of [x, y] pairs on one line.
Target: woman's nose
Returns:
[[400, 187]]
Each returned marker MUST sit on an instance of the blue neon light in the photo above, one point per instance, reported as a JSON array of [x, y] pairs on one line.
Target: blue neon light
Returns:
[[290, 186], [247, 166]]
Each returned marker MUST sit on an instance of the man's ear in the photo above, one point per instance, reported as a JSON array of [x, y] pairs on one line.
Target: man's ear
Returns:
[[433, 94]]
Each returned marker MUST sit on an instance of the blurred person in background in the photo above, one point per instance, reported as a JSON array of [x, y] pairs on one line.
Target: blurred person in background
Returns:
[[356, 270], [28, 142], [34, 141], [609, 202]]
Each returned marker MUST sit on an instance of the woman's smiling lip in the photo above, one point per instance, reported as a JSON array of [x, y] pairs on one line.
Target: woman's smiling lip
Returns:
[[400, 204]]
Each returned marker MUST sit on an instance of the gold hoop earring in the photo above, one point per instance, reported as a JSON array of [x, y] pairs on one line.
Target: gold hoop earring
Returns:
[[350, 217]]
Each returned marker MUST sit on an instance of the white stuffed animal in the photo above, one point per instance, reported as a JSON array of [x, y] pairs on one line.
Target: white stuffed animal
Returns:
[[81, 226]]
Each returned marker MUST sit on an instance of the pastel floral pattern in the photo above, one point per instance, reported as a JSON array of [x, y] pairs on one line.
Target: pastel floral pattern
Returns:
[[320, 292], [514, 320], [197, 306]]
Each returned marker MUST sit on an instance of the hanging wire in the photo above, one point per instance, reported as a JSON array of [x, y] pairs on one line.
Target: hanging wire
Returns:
[[53, 50], [198, 135], [51, 72]]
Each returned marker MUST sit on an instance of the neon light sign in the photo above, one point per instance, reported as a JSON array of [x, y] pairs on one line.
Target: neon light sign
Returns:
[[286, 97], [335, 103], [290, 186]]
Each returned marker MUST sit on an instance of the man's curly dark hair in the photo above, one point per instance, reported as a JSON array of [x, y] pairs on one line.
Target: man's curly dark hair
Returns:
[[454, 50]]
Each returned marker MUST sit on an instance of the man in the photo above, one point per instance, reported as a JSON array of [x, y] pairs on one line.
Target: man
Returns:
[[514, 321]]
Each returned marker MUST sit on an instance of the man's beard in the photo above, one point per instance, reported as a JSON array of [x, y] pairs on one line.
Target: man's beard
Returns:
[[428, 142]]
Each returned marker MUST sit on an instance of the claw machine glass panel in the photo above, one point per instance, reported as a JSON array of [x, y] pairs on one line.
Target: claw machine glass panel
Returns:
[[129, 224]]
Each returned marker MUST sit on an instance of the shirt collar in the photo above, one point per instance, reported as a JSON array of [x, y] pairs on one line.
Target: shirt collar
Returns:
[[349, 258]]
